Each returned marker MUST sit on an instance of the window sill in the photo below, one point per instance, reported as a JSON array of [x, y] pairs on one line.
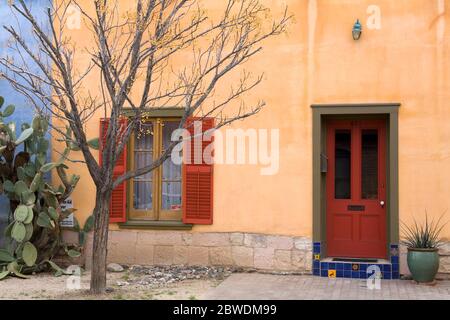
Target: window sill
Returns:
[[155, 225]]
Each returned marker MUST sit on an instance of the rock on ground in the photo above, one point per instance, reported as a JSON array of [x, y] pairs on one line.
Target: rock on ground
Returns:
[[114, 267]]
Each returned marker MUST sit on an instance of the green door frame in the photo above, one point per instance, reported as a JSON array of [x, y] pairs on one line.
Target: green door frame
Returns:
[[322, 112]]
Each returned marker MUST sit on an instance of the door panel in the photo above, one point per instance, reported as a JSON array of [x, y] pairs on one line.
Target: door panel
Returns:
[[356, 180]]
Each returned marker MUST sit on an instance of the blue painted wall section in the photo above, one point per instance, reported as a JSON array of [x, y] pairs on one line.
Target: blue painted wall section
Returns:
[[24, 110]]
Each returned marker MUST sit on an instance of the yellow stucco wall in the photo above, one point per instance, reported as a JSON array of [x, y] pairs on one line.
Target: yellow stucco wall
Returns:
[[406, 61]]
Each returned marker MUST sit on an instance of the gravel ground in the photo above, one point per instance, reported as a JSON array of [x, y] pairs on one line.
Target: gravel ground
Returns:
[[135, 282]]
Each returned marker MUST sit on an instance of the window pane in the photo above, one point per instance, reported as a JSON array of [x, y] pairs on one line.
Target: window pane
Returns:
[[171, 195], [143, 195], [143, 156], [171, 173], [369, 166], [342, 164]]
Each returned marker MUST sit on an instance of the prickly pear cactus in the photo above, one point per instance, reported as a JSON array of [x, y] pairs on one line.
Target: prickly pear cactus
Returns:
[[34, 232]]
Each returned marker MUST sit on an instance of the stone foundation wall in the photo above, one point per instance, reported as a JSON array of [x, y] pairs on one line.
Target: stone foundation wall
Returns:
[[246, 250], [444, 253], [252, 251]]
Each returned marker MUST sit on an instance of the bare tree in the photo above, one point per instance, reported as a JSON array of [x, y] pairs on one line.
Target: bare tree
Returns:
[[136, 55]]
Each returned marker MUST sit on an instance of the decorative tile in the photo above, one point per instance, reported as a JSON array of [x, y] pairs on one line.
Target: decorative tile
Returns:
[[316, 264], [347, 266], [363, 267], [355, 274], [317, 257], [316, 249], [339, 266], [347, 273], [316, 272], [324, 265], [355, 266], [340, 273], [394, 259], [331, 274], [363, 275], [324, 273], [387, 268], [332, 265], [394, 252], [395, 267]]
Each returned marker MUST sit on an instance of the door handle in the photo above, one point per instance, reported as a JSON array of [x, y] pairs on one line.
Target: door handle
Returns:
[[382, 203]]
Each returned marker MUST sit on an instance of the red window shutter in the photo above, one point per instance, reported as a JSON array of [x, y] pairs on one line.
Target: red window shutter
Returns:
[[198, 181], [117, 209]]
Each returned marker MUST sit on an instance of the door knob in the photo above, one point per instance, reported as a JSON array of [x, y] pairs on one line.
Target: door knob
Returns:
[[382, 203]]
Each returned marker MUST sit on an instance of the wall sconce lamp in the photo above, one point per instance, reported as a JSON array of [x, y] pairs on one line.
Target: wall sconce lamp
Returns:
[[357, 30]]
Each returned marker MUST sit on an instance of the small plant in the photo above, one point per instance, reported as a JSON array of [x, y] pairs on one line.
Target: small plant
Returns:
[[425, 235]]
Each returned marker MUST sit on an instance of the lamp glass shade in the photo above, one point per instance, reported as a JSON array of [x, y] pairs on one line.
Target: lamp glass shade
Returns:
[[357, 30]]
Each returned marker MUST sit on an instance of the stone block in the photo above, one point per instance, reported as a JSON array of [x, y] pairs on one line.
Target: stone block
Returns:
[[282, 260], [123, 253], [237, 239], [186, 237], [299, 259], [444, 250], [242, 256], [163, 255], [303, 243], [444, 266], [144, 254], [220, 256], [308, 261], [122, 237], [255, 240], [280, 242], [198, 256], [212, 239], [180, 255], [264, 258], [162, 238], [70, 236]]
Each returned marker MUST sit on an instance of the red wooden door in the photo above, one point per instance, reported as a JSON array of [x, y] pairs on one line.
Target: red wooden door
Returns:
[[356, 189]]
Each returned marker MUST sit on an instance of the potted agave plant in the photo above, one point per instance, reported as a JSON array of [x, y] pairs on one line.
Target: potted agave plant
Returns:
[[423, 242]]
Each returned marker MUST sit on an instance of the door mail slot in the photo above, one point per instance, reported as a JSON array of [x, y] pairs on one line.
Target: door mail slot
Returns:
[[356, 208]]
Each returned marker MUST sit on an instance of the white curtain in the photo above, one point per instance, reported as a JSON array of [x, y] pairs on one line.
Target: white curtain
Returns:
[[143, 156], [171, 173]]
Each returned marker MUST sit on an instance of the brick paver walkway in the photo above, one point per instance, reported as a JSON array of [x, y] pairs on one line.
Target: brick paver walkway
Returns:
[[243, 286]]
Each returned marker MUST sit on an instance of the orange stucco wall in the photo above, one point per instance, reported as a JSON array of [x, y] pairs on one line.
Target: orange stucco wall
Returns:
[[407, 60]]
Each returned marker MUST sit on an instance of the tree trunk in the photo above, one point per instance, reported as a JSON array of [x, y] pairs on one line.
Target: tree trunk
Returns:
[[100, 250]]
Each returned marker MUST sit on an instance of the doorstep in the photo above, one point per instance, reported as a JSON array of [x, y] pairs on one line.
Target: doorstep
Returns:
[[329, 268]]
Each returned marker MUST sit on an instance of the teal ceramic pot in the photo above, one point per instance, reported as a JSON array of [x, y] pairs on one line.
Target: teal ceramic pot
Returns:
[[423, 264]]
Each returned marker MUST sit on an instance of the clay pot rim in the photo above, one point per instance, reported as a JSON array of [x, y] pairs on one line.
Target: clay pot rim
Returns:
[[424, 249]]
